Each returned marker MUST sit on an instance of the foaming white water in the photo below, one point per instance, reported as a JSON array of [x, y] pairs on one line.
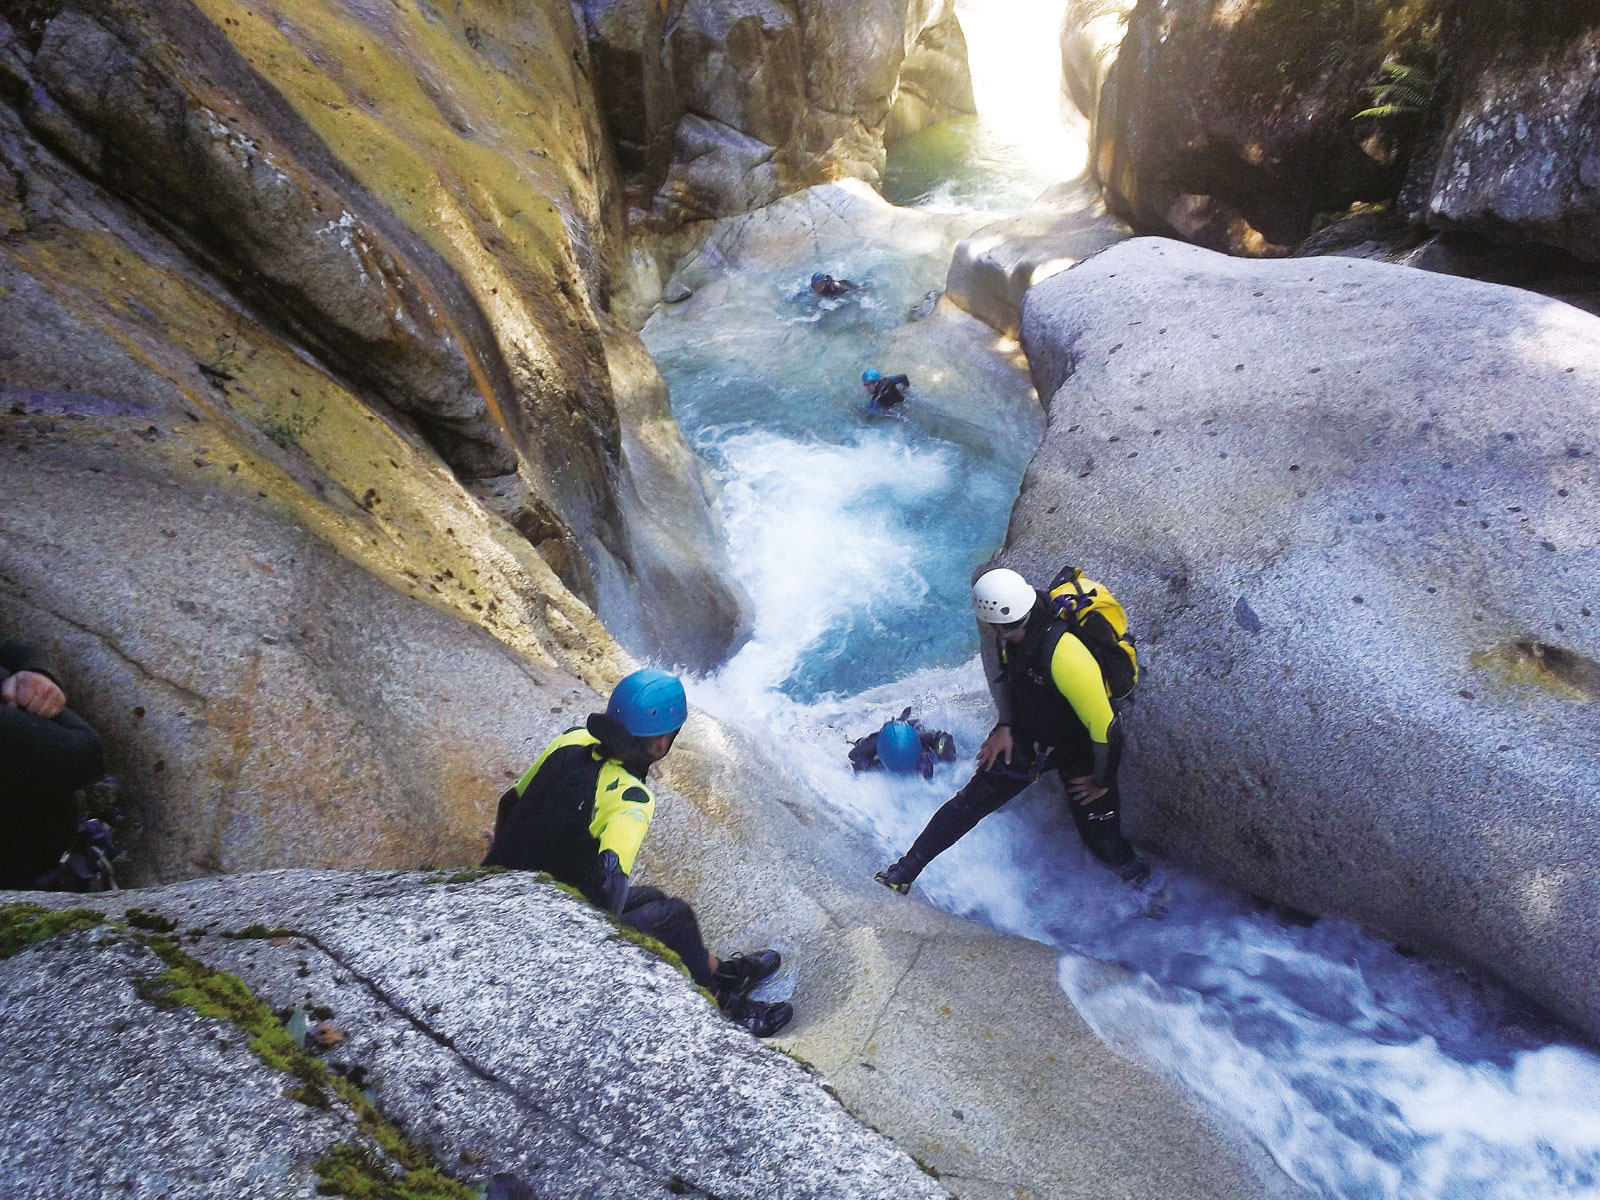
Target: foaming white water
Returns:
[[1353, 1103]]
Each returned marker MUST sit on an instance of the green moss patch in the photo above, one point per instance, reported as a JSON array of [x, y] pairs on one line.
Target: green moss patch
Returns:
[[347, 1170], [23, 925], [470, 875], [350, 1171]]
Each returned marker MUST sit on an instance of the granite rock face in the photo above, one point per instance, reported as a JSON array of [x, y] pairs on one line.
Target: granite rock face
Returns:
[[503, 1025], [992, 270], [425, 211], [1353, 509], [718, 108], [1516, 151], [1230, 125]]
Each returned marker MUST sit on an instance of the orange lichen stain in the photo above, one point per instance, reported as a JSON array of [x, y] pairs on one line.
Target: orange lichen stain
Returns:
[[1553, 669]]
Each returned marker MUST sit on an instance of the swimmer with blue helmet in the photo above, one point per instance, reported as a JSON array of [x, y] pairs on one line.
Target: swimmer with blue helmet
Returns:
[[884, 392], [823, 284], [903, 747]]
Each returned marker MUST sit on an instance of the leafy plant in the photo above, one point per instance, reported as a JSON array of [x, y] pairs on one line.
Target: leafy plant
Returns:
[[1404, 91]]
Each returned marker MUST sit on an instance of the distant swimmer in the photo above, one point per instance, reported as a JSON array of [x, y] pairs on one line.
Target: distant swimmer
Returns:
[[826, 285], [885, 393]]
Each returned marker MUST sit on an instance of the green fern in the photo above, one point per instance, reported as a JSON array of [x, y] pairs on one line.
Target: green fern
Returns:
[[1404, 91]]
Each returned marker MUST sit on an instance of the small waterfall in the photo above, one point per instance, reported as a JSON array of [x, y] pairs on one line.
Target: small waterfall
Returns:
[[1367, 1074]]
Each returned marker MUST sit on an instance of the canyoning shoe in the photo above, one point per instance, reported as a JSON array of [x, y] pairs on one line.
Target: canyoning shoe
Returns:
[[897, 877], [737, 975], [759, 1017]]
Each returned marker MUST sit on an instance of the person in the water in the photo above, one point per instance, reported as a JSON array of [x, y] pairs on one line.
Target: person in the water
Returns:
[[1055, 715], [580, 813], [824, 284], [903, 747], [884, 392]]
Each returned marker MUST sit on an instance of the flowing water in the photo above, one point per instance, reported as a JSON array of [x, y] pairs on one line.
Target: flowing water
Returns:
[[1364, 1072]]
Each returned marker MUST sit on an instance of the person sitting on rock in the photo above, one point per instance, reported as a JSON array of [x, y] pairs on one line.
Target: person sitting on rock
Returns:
[[47, 752], [902, 747], [581, 812], [826, 285], [884, 393], [1055, 714]]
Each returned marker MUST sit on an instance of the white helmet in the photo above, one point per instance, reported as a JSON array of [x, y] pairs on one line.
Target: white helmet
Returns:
[[1002, 596]]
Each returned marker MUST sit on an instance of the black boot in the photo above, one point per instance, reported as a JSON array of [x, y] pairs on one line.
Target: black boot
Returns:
[[899, 875], [737, 975], [759, 1017]]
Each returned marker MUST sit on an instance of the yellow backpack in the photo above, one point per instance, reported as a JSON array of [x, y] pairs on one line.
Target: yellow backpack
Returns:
[[1100, 622]]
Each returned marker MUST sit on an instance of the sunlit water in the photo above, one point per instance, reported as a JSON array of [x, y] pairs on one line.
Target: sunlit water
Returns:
[[1364, 1072]]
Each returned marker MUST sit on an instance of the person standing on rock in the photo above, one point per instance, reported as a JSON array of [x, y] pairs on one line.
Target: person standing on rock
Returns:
[[581, 812], [1055, 713], [47, 752]]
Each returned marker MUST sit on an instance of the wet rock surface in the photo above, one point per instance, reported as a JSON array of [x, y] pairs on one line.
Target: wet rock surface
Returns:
[[502, 1025], [1353, 509]]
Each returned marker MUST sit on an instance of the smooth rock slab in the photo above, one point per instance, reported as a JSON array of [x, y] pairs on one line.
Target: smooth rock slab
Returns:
[[1395, 472], [992, 270]]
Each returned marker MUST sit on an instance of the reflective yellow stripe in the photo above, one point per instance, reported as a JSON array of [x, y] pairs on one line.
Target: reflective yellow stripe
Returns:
[[572, 737], [1077, 677], [620, 823]]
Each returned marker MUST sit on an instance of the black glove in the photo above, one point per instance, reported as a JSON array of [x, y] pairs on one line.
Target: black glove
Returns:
[[613, 883]]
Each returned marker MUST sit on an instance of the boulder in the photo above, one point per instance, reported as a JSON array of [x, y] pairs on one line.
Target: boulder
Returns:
[[1515, 155], [444, 253], [935, 83], [1353, 510], [1091, 35], [759, 98], [1231, 126], [459, 1028], [992, 270]]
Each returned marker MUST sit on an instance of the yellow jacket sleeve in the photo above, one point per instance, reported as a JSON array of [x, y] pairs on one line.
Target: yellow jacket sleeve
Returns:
[[623, 808], [1077, 677]]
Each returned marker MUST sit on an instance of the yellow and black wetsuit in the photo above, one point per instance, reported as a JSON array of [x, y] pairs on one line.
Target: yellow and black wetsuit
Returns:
[[1052, 694], [580, 813], [576, 802]]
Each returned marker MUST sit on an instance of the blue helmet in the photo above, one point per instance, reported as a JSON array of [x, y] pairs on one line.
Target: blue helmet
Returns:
[[871, 375], [648, 703], [899, 747], [821, 277]]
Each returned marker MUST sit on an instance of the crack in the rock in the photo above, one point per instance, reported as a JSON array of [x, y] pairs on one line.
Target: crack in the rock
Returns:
[[922, 944], [110, 644], [488, 1076]]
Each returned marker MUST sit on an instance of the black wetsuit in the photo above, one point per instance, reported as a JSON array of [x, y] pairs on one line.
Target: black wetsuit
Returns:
[[890, 391], [580, 813], [42, 762], [937, 747], [1049, 733]]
